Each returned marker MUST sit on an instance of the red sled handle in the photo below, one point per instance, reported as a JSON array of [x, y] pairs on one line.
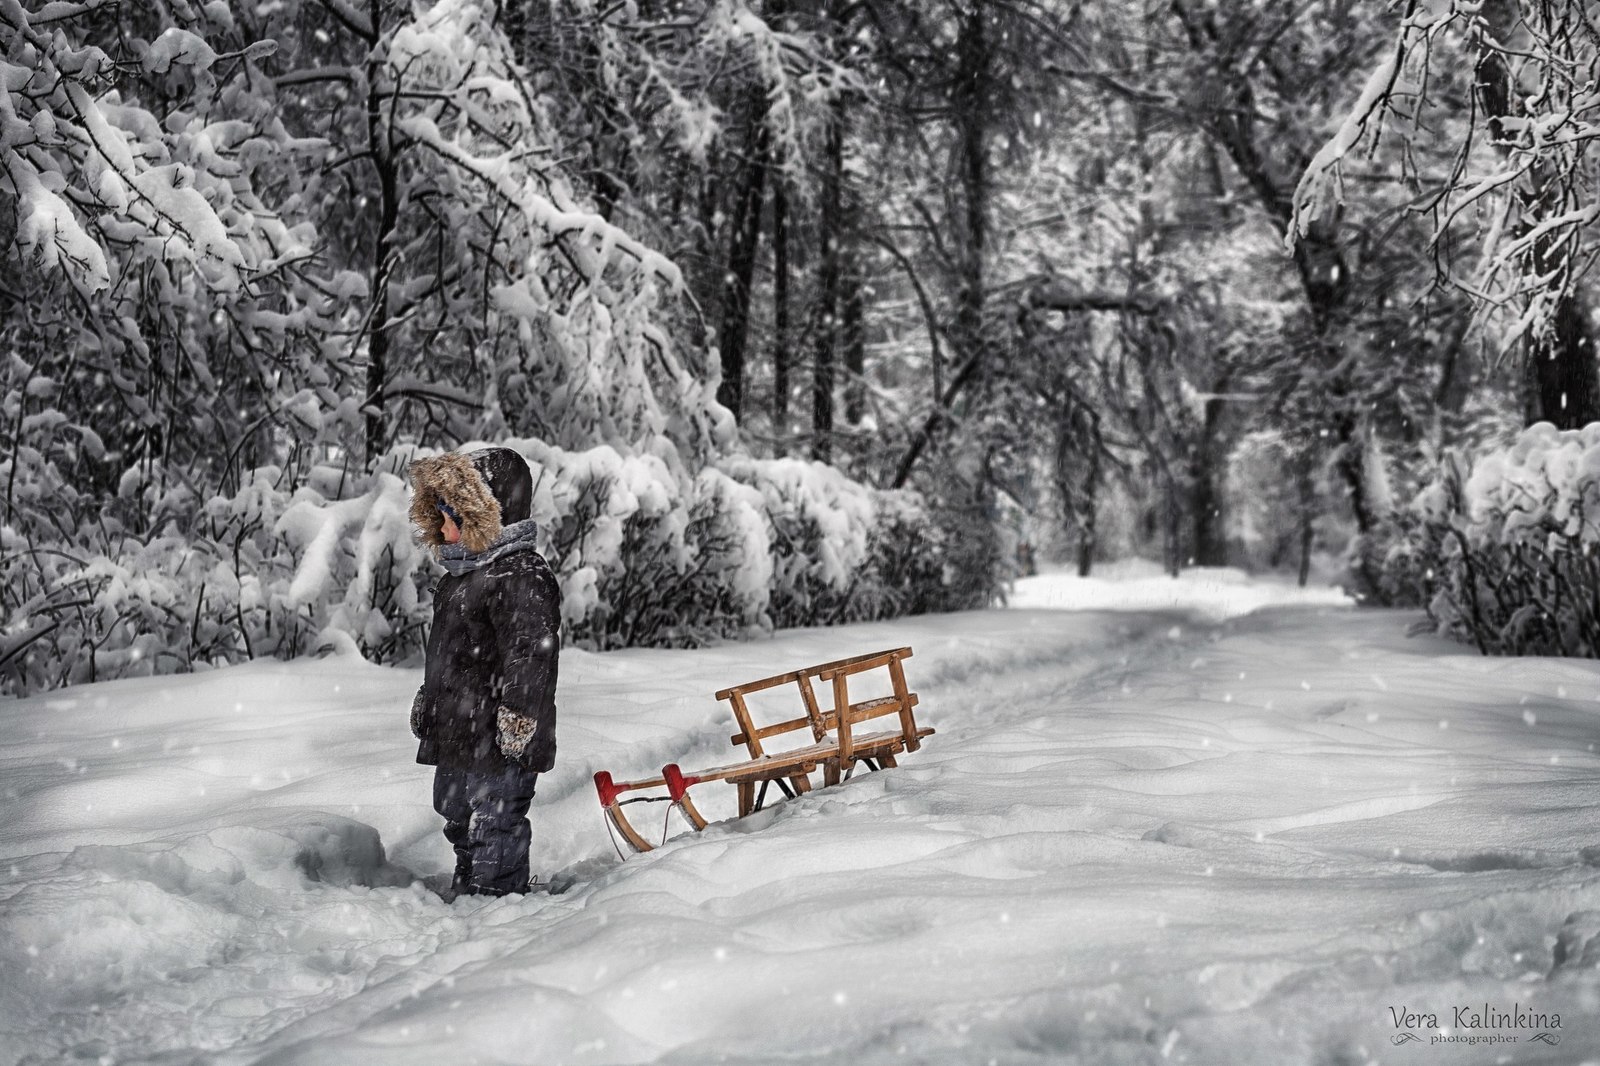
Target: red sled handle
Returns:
[[678, 782]]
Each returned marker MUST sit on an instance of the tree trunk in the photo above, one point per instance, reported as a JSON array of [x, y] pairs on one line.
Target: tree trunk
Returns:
[[1455, 380], [971, 114], [705, 277], [1561, 366], [930, 427], [855, 341], [1173, 534], [1206, 498], [780, 315], [1560, 369], [1350, 463], [1079, 443], [1306, 492], [378, 338], [1087, 539], [829, 232], [734, 336]]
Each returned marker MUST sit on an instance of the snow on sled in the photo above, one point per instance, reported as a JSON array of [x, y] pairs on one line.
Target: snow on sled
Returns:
[[836, 747]]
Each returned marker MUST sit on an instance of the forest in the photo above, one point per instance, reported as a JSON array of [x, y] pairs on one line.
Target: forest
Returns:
[[801, 311]]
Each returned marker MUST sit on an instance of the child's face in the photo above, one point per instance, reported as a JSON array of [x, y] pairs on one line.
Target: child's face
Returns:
[[451, 531]]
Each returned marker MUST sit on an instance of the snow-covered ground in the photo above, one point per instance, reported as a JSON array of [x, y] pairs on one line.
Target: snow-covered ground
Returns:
[[1176, 832], [1136, 584]]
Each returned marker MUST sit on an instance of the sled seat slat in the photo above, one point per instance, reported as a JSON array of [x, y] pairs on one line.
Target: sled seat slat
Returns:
[[811, 755]]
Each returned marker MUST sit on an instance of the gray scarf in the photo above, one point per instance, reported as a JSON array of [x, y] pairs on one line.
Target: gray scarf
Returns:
[[517, 537]]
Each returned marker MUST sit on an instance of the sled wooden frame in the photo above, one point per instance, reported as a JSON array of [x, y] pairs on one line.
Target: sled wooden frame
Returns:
[[836, 755]]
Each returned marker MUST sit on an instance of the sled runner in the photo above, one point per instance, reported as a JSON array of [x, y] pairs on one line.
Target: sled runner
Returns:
[[836, 747]]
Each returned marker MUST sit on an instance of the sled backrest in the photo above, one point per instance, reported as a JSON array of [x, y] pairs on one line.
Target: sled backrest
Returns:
[[832, 677]]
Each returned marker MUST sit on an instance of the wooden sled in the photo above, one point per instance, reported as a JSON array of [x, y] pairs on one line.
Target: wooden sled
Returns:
[[836, 747]]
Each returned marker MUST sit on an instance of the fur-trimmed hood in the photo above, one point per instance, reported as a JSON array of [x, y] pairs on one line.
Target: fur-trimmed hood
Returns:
[[490, 489]]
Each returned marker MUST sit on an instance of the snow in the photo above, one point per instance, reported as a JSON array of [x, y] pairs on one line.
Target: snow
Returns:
[[171, 194], [1545, 481], [47, 227], [1317, 190], [315, 528], [1214, 593], [179, 46], [1215, 821]]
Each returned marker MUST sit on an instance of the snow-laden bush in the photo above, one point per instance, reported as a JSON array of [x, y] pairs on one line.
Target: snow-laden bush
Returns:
[[1505, 556], [820, 526], [645, 557], [843, 552], [265, 571], [298, 562]]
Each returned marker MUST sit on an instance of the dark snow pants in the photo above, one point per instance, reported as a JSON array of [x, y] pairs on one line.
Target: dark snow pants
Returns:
[[486, 821]]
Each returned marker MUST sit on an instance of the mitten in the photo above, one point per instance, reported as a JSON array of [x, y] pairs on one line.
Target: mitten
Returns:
[[516, 732], [520, 740], [417, 709]]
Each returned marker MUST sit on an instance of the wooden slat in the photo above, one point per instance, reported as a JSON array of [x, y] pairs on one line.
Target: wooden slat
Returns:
[[746, 727], [774, 765], [867, 741], [908, 722], [756, 686], [861, 712], [772, 730], [883, 745], [841, 715], [808, 696], [822, 670], [861, 663], [780, 772]]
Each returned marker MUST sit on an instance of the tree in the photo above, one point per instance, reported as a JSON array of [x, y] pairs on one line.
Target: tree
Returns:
[[156, 300], [1532, 63]]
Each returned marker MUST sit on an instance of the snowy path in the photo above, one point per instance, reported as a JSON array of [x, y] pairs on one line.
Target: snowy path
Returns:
[[1139, 837]]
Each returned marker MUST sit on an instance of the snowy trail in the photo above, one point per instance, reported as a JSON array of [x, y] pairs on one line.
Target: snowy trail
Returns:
[[1138, 837]]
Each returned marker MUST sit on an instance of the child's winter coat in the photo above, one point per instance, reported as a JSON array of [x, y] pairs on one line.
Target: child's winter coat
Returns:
[[488, 693]]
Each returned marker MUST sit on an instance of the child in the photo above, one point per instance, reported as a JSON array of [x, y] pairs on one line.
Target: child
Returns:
[[486, 713]]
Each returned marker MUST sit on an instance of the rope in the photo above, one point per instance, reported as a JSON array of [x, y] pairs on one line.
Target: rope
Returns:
[[612, 833], [611, 830]]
